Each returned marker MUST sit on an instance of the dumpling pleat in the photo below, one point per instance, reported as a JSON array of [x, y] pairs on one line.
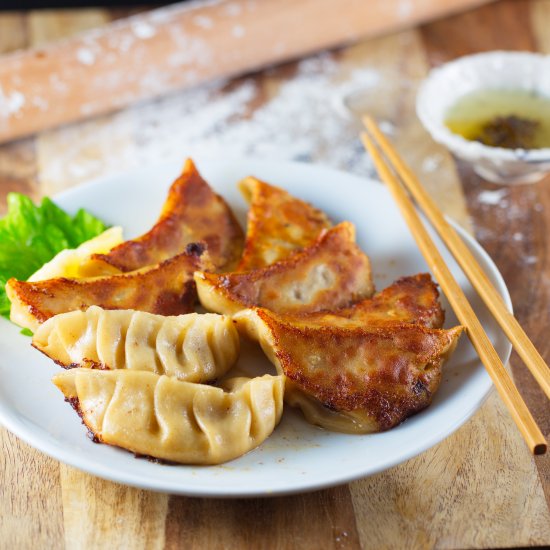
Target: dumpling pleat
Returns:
[[192, 347], [173, 420]]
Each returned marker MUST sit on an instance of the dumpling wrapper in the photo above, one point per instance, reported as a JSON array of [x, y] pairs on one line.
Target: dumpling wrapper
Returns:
[[330, 274], [75, 263], [192, 213], [166, 418], [191, 347], [412, 299], [167, 289], [278, 224], [350, 378]]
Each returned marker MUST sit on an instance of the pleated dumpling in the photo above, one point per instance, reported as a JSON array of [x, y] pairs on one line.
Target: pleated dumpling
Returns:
[[191, 347], [330, 274], [166, 289], [166, 418], [278, 224], [351, 378]]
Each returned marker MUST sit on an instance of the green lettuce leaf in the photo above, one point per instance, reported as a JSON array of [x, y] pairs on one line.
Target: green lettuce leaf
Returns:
[[32, 235]]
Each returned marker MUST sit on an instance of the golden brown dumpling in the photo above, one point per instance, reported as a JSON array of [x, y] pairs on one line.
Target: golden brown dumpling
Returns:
[[167, 289], [351, 378], [192, 347], [330, 274], [278, 224], [413, 299], [192, 213], [166, 418]]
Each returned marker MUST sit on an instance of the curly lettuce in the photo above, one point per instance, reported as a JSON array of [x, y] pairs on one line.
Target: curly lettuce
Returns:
[[31, 235]]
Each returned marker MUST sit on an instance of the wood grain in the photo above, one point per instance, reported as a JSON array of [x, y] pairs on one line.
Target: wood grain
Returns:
[[31, 510], [400, 61], [478, 489], [17, 166], [323, 520], [514, 231], [97, 513], [502, 26]]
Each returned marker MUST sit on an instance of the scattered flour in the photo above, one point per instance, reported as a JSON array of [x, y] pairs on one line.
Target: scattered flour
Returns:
[[432, 163], [387, 127], [493, 197], [233, 9], [238, 31], [143, 30], [297, 121], [203, 22], [85, 56], [10, 104]]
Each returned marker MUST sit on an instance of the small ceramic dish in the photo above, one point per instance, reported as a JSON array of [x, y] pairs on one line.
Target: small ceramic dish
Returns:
[[492, 70]]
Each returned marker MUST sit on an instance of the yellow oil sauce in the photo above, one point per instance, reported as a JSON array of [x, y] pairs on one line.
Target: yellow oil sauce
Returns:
[[502, 118]]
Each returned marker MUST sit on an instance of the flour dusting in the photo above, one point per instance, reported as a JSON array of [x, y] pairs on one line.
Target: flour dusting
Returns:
[[493, 198], [143, 30], [297, 121], [10, 104], [85, 56]]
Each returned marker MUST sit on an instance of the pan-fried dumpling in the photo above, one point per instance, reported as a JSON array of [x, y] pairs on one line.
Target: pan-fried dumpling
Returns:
[[75, 263], [350, 378], [330, 274], [167, 289], [278, 224], [166, 418], [413, 299], [192, 213], [192, 347]]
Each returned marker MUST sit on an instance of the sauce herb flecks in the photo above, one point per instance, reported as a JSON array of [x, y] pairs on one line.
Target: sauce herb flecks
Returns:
[[502, 118]]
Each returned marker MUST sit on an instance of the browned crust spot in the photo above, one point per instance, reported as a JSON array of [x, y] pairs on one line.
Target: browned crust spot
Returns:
[[395, 391], [192, 212]]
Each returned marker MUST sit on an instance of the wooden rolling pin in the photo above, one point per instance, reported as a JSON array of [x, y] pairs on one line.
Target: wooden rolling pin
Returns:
[[183, 45]]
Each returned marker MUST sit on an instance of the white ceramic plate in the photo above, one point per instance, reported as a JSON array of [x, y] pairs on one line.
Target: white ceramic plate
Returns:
[[297, 457]]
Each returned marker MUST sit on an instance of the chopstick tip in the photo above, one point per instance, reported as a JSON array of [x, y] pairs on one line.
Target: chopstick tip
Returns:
[[540, 449]]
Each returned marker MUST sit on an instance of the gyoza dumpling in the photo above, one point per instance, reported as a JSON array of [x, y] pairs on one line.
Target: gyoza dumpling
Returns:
[[351, 378], [412, 299], [278, 224], [192, 213], [192, 347], [331, 273], [167, 289], [173, 420]]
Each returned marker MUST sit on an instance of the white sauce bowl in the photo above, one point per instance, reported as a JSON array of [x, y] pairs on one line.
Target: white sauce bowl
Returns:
[[498, 69]]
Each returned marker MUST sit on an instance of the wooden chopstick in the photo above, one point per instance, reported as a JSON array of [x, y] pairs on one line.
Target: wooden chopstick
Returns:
[[489, 357], [465, 259]]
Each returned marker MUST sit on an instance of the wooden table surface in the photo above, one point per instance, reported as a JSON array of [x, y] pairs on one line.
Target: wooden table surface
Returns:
[[480, 488]]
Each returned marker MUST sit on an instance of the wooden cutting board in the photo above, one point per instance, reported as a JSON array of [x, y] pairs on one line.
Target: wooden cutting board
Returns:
[[480, 488]]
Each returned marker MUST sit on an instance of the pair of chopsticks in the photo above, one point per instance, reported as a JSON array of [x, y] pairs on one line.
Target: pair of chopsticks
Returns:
[[399, 178]]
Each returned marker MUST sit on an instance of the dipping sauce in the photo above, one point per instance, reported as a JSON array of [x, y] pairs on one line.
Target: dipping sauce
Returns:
[[502, 118]]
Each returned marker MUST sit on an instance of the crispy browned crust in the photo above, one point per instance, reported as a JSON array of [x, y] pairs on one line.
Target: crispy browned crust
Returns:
[[165, 289], [330, 274], [192, 213], [74, 402], [278, 224], [385, 372], [413, 299]]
